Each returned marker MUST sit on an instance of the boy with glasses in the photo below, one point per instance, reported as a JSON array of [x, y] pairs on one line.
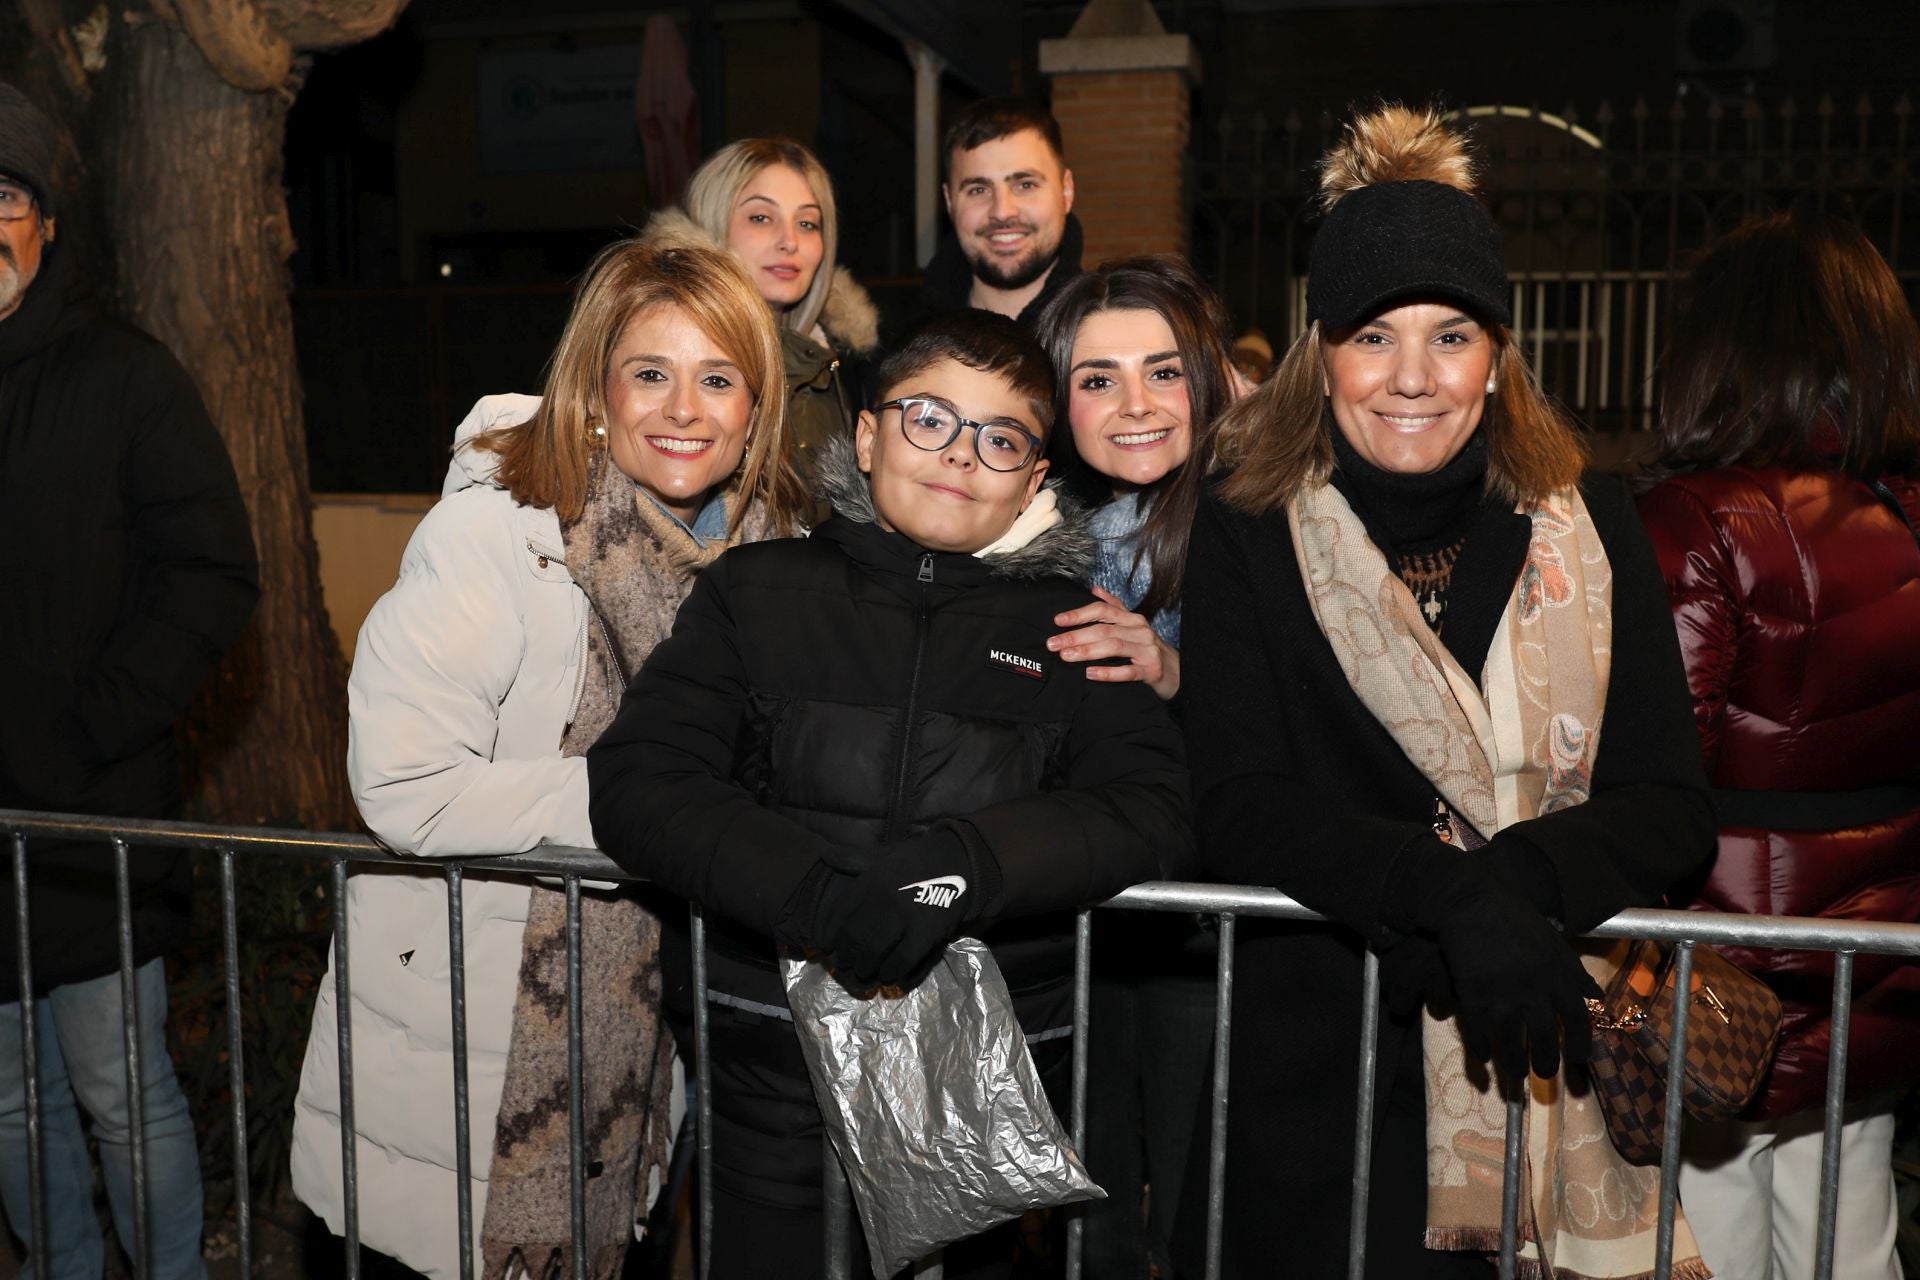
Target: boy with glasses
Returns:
[[860, 745]]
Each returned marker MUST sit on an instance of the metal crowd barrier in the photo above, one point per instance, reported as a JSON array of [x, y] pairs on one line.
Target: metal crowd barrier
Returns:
[[1227, 903]]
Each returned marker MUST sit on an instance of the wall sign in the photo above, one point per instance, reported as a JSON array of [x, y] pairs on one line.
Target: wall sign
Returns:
[[543, 110]]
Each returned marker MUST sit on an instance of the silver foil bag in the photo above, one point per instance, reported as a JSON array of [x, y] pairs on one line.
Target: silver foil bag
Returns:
[[932, 1101]]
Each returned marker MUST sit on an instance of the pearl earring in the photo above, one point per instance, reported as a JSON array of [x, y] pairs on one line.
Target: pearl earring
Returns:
[[1493, 383]]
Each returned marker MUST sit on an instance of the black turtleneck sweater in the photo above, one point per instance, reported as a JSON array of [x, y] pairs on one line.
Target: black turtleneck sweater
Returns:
[[1458, 552]]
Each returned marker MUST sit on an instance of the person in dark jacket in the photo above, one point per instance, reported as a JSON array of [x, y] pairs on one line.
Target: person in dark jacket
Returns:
[[1015, 241], [130, 571], [1139, 348], [1411, 628], [838, 720], [1784, 524]]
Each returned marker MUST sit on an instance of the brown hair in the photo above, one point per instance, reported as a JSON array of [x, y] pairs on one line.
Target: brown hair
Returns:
[[547, 460], [991, 119], [1168, 287], [1279, 439], [1790, 335]]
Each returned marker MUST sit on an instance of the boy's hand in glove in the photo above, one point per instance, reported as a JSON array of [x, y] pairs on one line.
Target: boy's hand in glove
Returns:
[[1517, 983], [884, 924]]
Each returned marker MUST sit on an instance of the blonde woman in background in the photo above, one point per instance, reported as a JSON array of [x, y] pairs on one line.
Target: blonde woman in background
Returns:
[[770, 201]]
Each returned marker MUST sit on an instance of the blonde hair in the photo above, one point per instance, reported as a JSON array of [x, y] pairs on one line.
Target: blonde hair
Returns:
[[715, 190], [547, 461], [1278, 440]]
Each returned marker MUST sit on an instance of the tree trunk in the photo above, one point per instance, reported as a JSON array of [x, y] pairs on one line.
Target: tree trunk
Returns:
[[189, 173]]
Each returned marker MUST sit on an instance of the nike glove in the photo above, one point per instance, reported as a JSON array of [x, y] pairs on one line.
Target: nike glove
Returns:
[[884, 925]]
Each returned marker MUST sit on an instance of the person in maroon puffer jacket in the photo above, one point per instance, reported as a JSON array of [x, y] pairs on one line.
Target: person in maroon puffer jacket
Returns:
[[1783, 520]]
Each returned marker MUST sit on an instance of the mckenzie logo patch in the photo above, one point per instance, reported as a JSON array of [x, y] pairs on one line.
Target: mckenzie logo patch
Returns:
[[941, 891], [1014, 662]]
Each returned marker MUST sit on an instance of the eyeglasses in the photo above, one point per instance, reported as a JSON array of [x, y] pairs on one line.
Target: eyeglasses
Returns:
[[16, 202], [1001, 445]]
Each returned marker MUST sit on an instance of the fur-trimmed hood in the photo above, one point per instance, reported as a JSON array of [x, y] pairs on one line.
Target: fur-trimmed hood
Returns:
[[849, 319], [1064, 549]]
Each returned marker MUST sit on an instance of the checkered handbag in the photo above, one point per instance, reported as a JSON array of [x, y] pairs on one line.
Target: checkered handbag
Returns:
[[1732, 1030]]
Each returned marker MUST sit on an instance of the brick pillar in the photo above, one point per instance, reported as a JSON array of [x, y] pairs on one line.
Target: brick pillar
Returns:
[[1124, 103]]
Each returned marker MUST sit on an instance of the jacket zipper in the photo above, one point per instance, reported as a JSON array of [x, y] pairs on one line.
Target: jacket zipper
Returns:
[[897, 811], [580, 666]]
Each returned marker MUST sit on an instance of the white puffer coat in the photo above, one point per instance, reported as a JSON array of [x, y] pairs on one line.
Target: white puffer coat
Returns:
[[466, 674]]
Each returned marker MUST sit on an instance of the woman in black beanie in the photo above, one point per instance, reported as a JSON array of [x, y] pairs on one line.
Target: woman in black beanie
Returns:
[[1432, 691]]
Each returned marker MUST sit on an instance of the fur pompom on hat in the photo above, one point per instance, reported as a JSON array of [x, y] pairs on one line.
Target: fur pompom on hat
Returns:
[[1404, 220]]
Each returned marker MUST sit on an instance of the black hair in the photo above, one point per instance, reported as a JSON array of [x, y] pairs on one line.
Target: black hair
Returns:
[[983, 340], [991, 119]]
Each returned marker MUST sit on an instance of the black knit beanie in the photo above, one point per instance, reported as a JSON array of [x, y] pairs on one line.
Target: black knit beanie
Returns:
[[28, 151], [1402, 240]]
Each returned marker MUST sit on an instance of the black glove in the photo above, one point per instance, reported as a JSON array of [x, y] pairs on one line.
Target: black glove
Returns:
[[1513, 975], [1528, 872], [1412, 974], [885, 924]]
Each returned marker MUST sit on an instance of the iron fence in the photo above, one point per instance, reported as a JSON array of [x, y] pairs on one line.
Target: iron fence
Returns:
[[1601, 209], [1227, 904]]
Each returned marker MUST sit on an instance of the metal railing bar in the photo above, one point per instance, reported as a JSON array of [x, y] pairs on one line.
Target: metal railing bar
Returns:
[[343, 1024], [1082, 1016], [1217, 1122], [836, 1208], [1824, 1239], [29, 1061], [576, 1084], [236, 1065], [703, 1089], [1803, 933], [1684, 928], [286, 842], [1676, 1109], [1363, 1115], [457, 1006], [130, 1038], [1511, 1178]]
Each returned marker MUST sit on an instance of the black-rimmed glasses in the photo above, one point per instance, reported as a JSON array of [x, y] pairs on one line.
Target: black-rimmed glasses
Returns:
[[1001, 445]]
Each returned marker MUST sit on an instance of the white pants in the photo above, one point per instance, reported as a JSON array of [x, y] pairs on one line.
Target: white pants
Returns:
[[1752, 1195]]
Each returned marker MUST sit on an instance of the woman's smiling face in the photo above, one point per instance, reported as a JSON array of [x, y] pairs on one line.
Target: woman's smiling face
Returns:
[[1127, 399], [678, 409], [1408, 388]]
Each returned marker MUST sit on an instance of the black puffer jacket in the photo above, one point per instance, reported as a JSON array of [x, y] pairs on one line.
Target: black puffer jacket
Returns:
[[822, 697], [130, 570]]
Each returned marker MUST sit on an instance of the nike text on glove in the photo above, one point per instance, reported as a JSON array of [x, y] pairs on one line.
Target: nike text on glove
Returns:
[[884, 925]]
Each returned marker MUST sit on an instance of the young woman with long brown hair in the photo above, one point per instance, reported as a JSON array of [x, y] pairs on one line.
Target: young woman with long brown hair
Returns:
[[1139, 351], [1411, 627]]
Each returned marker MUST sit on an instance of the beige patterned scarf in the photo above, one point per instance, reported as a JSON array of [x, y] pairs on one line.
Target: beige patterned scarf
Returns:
[[635, 565], [1520, 742]]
